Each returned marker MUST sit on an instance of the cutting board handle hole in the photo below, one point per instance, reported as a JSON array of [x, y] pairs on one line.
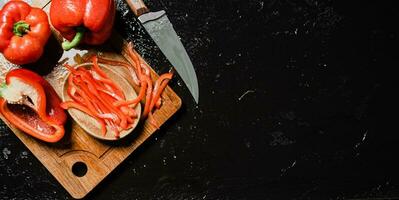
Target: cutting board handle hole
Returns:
[[79, 169]]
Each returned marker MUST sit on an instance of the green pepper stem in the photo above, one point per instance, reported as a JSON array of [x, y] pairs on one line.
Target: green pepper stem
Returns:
[[3, 86], [75, 41], [21, 28]]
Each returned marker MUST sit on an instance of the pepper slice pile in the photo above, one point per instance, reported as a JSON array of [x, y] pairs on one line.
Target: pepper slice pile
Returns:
[[140, 73], [95, 94], [31, 104]]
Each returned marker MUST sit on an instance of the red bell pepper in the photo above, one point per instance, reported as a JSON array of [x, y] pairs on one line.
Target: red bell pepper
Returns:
[[24, 31], [87, 21], [31, 104]]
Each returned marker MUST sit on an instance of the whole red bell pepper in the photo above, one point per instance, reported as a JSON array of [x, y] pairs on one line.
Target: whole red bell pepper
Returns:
[[24, 31], [31, 104], [87, 21]]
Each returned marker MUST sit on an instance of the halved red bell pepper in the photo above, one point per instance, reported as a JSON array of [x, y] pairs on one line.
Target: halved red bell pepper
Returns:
[[87, 21], [24, 31], [31, 104]]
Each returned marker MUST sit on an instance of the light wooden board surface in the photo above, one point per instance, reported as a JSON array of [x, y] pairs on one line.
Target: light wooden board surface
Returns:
[[101, 158]]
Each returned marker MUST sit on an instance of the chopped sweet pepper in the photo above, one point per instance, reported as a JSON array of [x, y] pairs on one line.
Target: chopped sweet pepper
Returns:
[[31, 104], [87, 21], [24, 31]]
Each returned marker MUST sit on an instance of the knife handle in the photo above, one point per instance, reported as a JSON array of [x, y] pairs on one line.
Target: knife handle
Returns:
[[137, 6]]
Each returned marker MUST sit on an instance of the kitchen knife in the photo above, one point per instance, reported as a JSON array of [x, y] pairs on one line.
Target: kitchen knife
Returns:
[[161, 31]]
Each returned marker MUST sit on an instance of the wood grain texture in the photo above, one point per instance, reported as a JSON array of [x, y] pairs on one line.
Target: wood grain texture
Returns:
[[100, 157]]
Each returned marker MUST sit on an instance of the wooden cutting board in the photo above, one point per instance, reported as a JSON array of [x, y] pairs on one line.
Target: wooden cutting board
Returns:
[[80, 162]]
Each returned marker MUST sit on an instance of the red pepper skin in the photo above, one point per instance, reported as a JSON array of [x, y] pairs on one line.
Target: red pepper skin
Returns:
[[29, 127], [47, 108], [23, 43], [96, 16], [51, 100]]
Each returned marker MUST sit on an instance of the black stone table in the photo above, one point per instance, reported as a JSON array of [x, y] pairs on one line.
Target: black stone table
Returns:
[[295, 98]]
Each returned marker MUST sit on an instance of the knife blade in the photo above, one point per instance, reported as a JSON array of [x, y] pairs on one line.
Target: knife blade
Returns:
[[165, 37]]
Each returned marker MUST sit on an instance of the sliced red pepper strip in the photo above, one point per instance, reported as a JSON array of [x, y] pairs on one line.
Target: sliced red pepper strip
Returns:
[[141, 95], [145, 67], [95, 105], [138, 64], [101, 111], [88, 77], [71, 90], [71, 104], [148, 96], [111, 84], [102, 101], [123, 123], [70, 68], [89, 96], [160, 79], [85, 97], [132, 113], [135, 59], [130, 120], [109, 116], [124, 110], [162, 82], [97, 69], [123, 64], [111, 94]]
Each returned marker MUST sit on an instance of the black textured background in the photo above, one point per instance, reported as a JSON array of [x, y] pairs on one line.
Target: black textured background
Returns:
[[295, 99]]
